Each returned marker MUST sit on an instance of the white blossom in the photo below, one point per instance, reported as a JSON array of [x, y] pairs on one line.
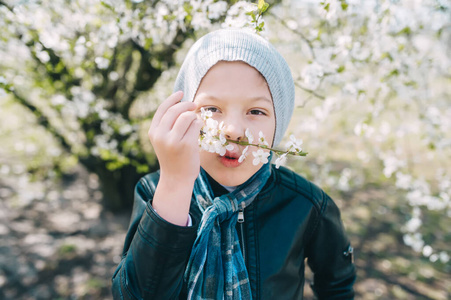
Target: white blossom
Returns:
[[281, 160], [205, 114], [427, 251], [217, 9], [391, 165], [243, 155], [444, 257], [262, 139], [43, 56], [403, 181], [312, 75], [211, 127], [125, 129], [102, 63], [113, 76], [413, 224], [293, 144], [249, 136], [414, 240], [200, 20], [260, 156], [58, 100], [212, 138], [236, 15]]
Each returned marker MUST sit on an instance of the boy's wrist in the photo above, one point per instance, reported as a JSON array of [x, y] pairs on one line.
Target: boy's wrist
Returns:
[[176, 180], [189, 221], [172, 199]]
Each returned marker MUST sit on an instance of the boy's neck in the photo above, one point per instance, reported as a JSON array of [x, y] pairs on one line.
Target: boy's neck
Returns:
[[229, 188], [219, 189]]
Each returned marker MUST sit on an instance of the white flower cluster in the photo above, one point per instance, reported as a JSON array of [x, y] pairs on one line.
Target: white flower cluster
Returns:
[[212, 139], [377, 57], [420, 197], [237, 16]]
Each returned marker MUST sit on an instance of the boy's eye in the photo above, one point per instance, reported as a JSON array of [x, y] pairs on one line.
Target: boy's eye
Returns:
[[212, 109], [256, 112]]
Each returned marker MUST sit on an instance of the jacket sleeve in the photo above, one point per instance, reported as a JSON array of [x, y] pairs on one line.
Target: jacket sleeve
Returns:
[[330, 255], [155, 251]]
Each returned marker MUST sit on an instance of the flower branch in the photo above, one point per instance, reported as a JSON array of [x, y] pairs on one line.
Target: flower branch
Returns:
[[276, 151], [212, 139]]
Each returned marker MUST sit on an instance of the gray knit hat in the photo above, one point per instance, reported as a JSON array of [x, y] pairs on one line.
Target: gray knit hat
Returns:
[[241, 45]]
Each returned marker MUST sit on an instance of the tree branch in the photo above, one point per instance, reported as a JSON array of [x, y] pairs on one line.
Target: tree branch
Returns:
[[309, 91], [2, 3], [303, 37], [43, 120], [146, 70]]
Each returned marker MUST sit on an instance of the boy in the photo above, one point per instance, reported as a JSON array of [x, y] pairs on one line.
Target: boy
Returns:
[[208, 226]]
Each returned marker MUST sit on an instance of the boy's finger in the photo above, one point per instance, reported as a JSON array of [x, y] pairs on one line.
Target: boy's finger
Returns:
[[193, 130], [173, 113], [161, 110], [183, 123]]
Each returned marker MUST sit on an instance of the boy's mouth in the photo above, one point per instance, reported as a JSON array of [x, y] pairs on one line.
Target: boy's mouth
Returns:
[[230, 159]]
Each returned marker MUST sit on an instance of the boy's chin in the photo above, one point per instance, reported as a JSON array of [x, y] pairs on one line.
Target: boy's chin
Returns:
[[232, 179], [223, 178]]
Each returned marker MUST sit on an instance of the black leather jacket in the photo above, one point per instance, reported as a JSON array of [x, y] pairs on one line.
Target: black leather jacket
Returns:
[[290, 220]]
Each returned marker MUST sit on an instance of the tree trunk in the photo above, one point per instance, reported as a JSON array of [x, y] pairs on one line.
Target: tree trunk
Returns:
[[117, 186]]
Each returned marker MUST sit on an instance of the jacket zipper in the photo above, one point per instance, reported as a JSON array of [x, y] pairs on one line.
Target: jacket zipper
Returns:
[[241, 221]]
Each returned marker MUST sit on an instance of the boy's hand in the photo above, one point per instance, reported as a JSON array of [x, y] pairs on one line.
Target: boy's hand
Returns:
[[174, 133]]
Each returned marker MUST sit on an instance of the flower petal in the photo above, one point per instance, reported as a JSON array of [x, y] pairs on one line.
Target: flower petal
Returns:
[[256, 161]]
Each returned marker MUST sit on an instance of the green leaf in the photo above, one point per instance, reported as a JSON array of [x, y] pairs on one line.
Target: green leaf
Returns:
[[340, 69], [188, 8], [406, 30], [142, 169], [344, 5], [386, 55], [252, 14], [326, 7], [259, 27], [395, 72], [103, 3]]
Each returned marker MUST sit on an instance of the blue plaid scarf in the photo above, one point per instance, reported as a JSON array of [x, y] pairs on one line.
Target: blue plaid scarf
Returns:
[[216, 268]]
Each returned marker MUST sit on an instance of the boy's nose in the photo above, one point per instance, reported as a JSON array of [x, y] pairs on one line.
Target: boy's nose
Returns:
[[234, 132]]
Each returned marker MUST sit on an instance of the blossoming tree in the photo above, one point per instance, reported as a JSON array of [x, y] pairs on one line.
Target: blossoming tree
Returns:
[[82, 68], [374, 92], [372, 77]]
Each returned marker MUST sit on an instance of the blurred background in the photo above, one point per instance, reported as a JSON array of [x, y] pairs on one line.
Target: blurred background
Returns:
[[80, 81]]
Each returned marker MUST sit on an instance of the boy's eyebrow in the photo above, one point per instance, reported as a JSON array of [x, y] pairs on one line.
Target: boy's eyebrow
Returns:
[[256, 98]]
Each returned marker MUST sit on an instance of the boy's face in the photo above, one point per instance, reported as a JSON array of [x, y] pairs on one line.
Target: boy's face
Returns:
[[237, 94]]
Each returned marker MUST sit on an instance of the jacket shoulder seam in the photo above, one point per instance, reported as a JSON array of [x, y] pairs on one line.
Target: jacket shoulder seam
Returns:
[[300, 188], [317, 220]]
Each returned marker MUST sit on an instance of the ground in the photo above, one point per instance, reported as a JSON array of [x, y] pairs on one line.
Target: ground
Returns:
[[57, 243]]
